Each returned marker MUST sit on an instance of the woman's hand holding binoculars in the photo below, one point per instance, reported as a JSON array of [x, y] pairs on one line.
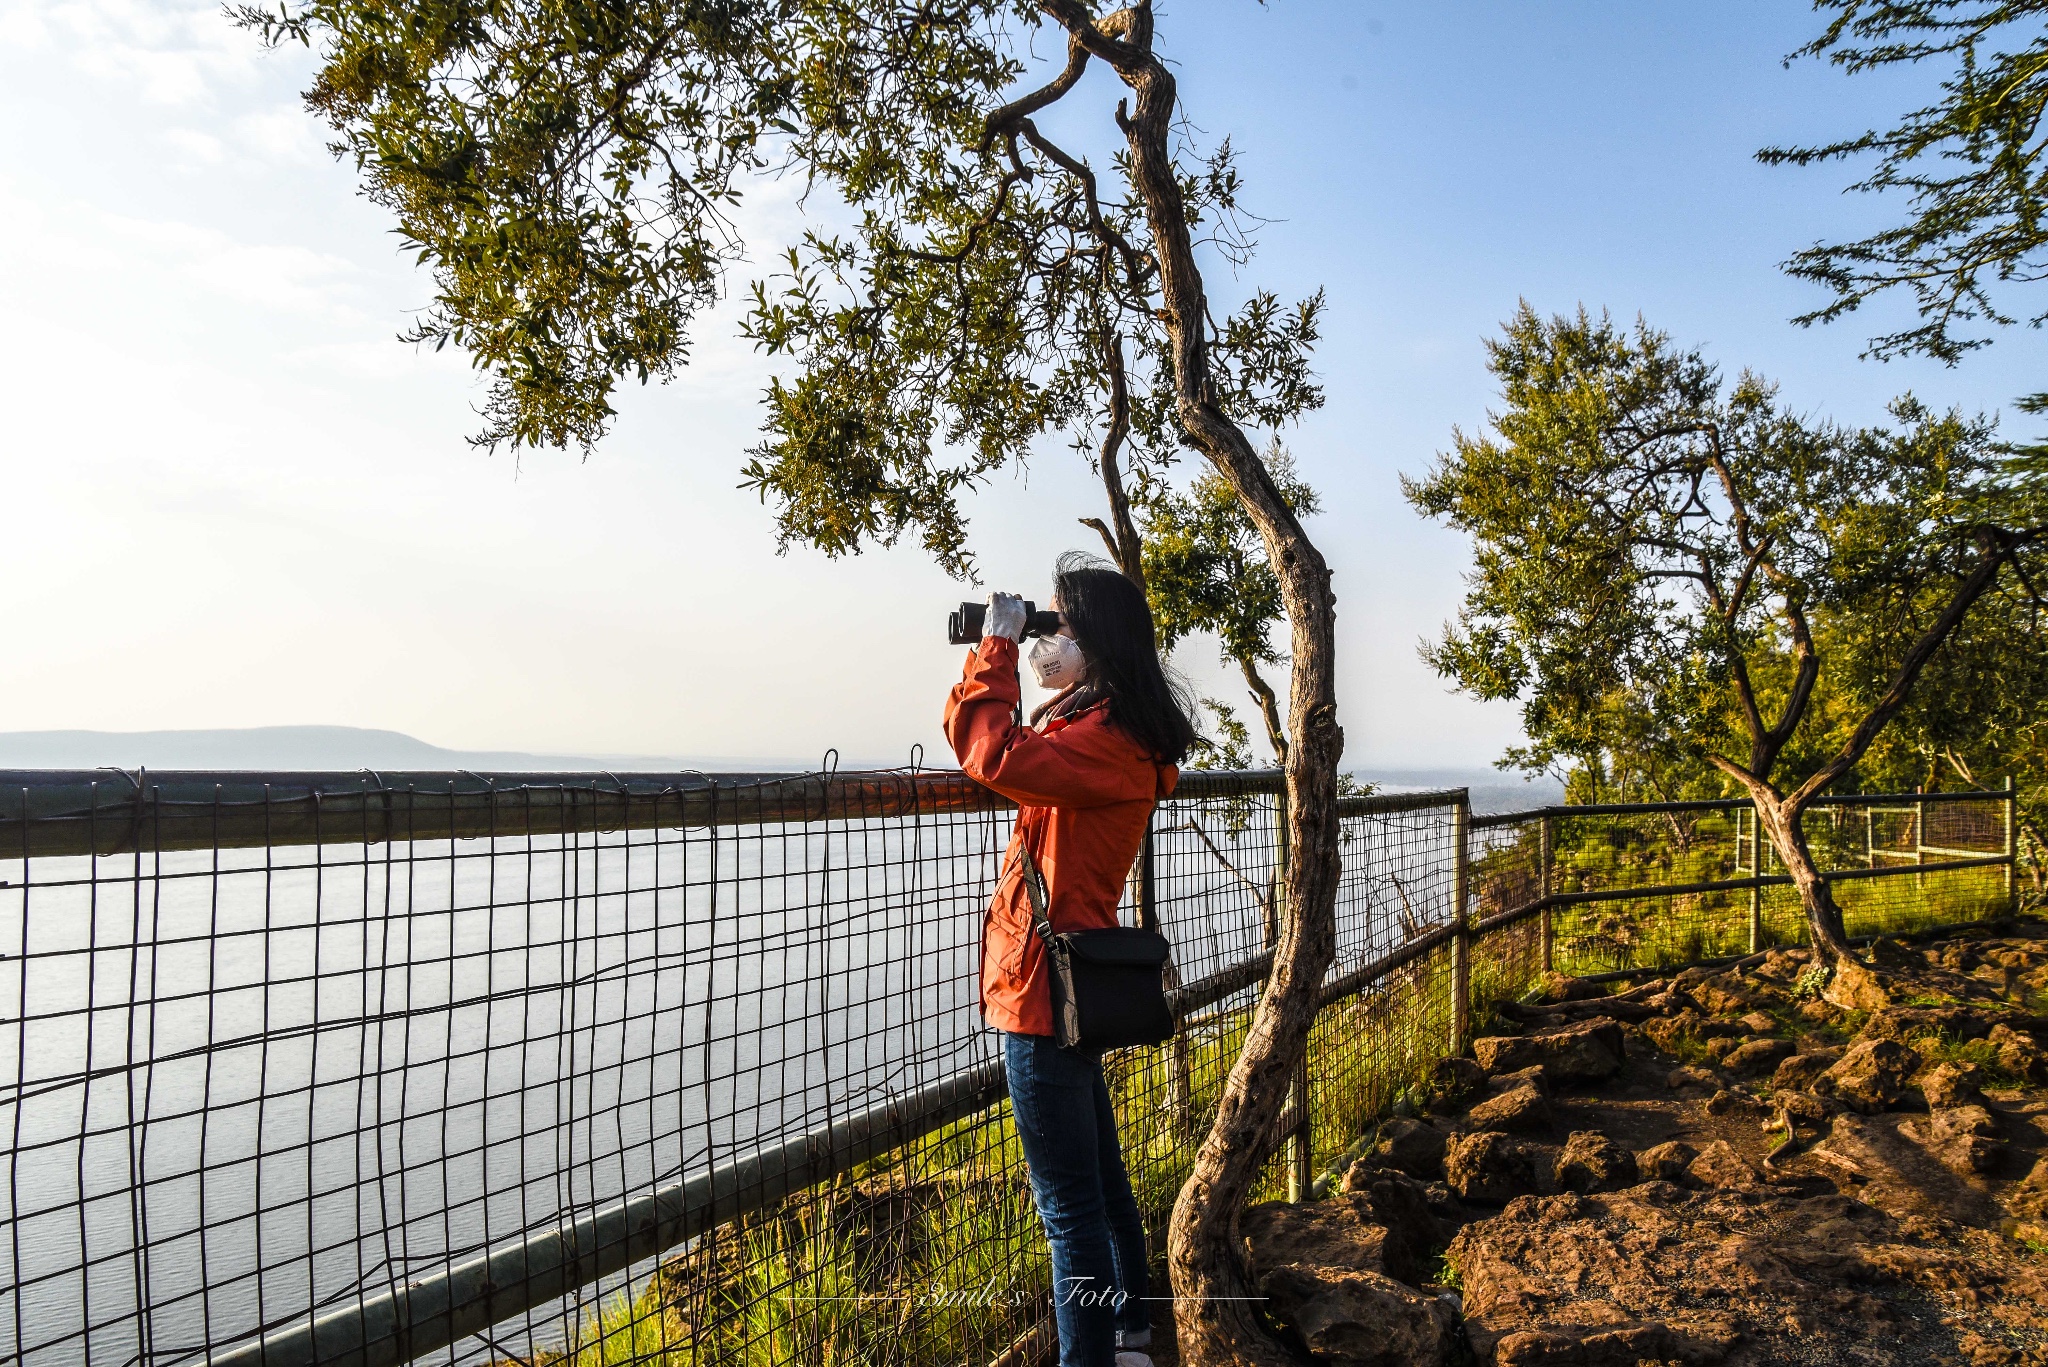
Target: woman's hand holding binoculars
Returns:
[[970, 622], [1005, 617]]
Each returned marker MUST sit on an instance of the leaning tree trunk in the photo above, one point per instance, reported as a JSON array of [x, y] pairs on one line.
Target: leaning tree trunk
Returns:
[[1788, 840], [1213, 1308]]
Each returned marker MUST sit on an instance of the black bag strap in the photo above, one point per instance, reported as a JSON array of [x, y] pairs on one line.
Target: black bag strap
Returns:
[[1034, 887]]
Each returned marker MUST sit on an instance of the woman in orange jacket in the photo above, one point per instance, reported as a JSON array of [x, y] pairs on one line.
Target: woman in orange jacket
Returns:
[[1085, 775]]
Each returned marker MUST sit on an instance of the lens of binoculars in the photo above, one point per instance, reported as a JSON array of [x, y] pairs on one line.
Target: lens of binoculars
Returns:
[[963, 624]]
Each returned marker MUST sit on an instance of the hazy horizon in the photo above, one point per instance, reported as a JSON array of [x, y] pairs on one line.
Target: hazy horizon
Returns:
[[348, 748]]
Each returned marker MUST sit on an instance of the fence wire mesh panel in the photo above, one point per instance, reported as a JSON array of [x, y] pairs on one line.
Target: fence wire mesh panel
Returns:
[[585, 1069], [1650, 886]]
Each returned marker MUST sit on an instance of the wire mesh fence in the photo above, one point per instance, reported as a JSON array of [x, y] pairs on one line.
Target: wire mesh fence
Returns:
[[585, 1069]]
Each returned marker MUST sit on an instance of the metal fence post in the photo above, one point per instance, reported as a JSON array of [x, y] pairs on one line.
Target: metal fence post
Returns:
[[1545, 887], [1300, 1157], [1300, 1161], [1461, 937], [2012, 848], [1919, 844], [1756, 871], [1180, 1092]]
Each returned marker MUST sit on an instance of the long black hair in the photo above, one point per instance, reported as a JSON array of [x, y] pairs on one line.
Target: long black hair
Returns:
[[1112, 623]]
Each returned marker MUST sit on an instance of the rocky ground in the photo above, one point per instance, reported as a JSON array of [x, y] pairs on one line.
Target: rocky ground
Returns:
[[1748, 1164]]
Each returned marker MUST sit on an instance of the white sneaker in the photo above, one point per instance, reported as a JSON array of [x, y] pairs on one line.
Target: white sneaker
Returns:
[[1127, 1358]]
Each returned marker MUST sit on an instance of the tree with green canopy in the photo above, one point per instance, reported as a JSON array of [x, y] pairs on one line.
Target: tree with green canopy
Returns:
[[1654, 546], [1970, 165], [568, 172]]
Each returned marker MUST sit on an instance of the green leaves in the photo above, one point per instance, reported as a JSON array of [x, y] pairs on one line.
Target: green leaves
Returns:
[[1970, 166], [1205, 564], [566, 169], [1669, 567], [562, 168]]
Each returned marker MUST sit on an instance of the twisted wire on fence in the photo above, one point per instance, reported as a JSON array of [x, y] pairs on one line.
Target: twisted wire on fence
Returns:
[[585, 1068]]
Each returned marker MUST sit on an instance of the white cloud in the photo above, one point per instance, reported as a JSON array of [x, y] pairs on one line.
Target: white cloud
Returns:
[[86, 251], [167, 52], [192, 147], [282, 133]]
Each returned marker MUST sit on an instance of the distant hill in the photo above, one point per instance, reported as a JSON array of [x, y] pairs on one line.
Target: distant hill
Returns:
[[330, 747], [355, 747]]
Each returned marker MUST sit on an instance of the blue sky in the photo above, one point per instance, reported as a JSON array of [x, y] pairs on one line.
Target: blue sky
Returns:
[[235, 500]]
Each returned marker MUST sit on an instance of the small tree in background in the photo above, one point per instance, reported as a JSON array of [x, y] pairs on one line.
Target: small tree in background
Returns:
[[1653, 548]]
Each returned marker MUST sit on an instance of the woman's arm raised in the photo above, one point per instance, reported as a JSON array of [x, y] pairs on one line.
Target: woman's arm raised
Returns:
[[1077, 766]]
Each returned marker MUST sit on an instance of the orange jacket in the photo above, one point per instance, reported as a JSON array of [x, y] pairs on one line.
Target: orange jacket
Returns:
[[1084, 790]]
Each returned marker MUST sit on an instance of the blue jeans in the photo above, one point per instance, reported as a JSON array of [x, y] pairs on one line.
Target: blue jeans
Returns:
[[1084, 1199]]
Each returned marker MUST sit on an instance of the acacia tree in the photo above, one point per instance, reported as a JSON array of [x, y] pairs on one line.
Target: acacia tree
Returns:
[[1970, 166], [1655, 545], [567, 171]]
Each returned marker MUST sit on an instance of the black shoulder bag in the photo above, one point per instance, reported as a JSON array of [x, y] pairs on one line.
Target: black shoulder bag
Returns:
[[1108, 985]]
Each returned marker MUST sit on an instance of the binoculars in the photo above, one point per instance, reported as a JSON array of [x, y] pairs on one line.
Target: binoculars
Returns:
[[963, 624]]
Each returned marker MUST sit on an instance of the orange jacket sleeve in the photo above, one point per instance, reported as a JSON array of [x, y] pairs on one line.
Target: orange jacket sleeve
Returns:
[[1072, 767]]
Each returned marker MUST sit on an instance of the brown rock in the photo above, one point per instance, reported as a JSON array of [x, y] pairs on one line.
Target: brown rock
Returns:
[[1800, 1071], [1871, 1076], [1692, 1077], [1731, 1102], [1625, 1346], [2030, 1196], [1454, 1081], [1593, 1162], [1361, 1318], [1782, 965], [1757, 1056], [1902, 1023], [1408, 1146], [1666, 1032], [1532, 1076], [1665, 1162], [1898, 1175], [1523, 1110], [1855, 988], [1819, 1012], [1719, 1165], [1653, 1275], [1562, 987], [1963, 1138], [1339, 1232], [1960, 957], [1757, 1023], [1719, 1049], [1401, 1206], [1443, 1204], [1951, 1084], [1724, 994], [1493, 1167], [1584, 1051], [2018, 1054]]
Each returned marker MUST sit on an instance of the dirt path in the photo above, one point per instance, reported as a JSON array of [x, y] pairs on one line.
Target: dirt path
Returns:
[[1718, 1167]]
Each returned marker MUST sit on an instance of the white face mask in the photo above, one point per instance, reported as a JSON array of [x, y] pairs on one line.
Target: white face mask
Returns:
[[1057, 661]]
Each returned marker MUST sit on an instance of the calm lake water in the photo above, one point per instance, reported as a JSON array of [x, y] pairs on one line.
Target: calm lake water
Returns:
[[243, 1084]]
